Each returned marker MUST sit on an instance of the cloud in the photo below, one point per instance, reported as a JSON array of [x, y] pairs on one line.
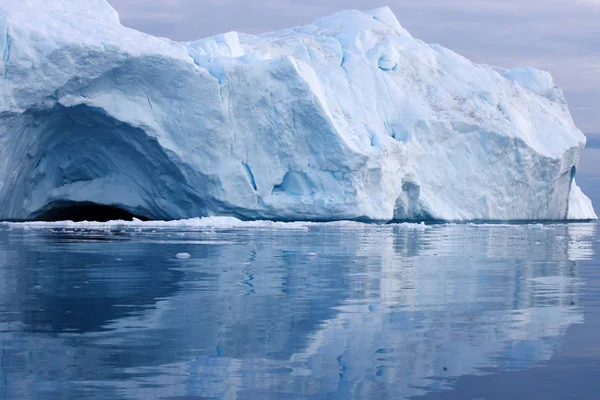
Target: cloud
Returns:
[[561, 36]]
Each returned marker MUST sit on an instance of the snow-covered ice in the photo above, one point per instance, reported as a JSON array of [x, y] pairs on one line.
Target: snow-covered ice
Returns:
[[349, 117]]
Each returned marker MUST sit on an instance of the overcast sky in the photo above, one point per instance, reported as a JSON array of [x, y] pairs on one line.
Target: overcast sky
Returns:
[[560, 36]]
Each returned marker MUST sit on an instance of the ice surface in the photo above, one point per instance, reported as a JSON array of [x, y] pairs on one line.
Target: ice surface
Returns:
[[349, 117]]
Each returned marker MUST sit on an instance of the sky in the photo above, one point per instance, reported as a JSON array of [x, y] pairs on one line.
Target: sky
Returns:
[[560, 36]]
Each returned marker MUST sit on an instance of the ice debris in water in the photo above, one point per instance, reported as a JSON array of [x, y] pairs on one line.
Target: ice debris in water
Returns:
[[206, 225], [349, 117], [183, 256]]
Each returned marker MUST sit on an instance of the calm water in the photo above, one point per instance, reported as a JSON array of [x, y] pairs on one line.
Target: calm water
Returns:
[[324, 312]]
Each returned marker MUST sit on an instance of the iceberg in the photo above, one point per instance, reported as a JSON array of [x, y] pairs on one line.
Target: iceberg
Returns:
[[349, 117]]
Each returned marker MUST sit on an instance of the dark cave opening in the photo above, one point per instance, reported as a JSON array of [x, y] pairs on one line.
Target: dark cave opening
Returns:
[[77, 212]]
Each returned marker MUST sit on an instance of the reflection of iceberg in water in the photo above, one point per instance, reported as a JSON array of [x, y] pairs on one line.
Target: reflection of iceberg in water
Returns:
[[378, 312]]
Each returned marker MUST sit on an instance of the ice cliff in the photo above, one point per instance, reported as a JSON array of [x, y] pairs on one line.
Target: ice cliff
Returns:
[[349, 117]]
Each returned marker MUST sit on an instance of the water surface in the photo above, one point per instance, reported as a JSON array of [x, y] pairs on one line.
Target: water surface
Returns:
[[320, 311]]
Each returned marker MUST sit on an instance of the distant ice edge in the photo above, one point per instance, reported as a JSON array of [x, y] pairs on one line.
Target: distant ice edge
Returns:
[[347, 118]]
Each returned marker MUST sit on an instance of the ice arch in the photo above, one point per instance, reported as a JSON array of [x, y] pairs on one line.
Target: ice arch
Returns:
[[73, 161]]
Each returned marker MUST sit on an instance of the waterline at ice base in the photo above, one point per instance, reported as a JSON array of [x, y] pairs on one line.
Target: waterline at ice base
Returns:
[[347, 118]]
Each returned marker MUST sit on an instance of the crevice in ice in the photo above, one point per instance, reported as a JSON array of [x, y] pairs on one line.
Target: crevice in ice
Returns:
[[221, 94], [343, 63], [573, 173], [7, 50], [250, 176], [149, 104], [148, 100], [343, 66], [373, 140], [220, 78], [84, 211]]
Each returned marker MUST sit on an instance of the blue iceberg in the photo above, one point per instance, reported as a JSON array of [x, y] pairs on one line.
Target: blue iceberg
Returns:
[[349, 117]]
